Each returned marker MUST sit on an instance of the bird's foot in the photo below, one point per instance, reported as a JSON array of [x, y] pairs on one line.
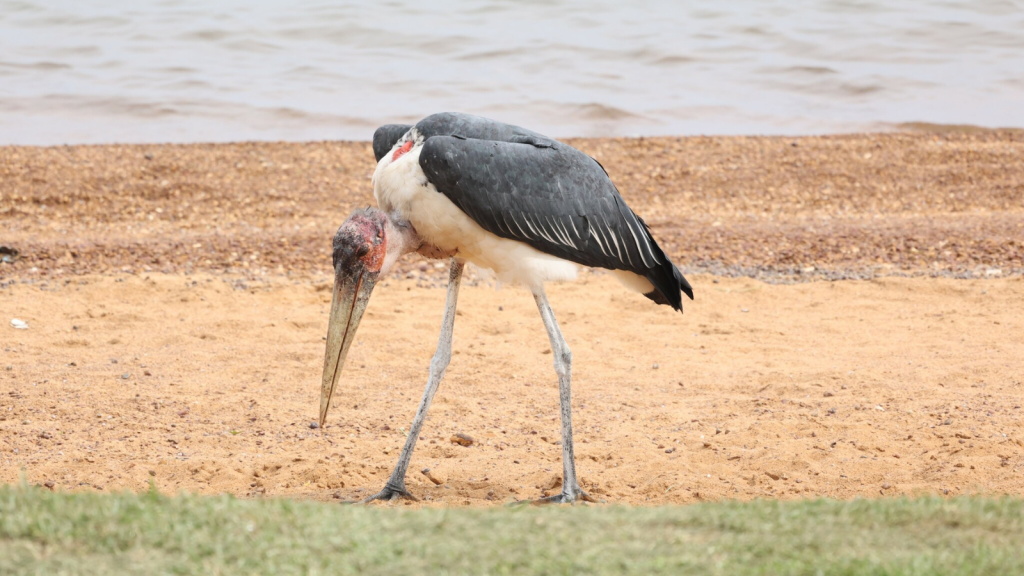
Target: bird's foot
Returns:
[[567, 497], [390, 493]]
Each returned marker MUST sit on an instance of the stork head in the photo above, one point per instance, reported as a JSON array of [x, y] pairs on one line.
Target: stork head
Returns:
[[360, 248]]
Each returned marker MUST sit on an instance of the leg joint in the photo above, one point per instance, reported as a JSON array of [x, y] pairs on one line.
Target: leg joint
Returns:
[[563, 362], [439, 363]]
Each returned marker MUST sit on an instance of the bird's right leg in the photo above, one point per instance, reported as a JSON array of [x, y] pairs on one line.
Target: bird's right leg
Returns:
[[571, 490], [395, 487]]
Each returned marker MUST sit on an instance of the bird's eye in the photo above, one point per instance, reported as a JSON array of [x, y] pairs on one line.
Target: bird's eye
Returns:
[[362, 251]]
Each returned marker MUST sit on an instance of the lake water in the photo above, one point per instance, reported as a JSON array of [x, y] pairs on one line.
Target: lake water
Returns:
[[96, 71]]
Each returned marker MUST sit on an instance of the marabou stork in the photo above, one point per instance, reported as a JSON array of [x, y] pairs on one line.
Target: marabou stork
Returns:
[[523, 205]]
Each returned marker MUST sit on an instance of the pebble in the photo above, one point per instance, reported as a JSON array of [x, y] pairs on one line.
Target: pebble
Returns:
[[313, 425], [434, 477], [125, 376], [462, 439], [19, 324]]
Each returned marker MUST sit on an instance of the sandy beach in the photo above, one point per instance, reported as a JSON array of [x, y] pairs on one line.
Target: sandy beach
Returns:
[[856, 328]]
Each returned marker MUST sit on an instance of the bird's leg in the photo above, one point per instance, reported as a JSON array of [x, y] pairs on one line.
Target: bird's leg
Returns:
[[395, 487], [563, 366]]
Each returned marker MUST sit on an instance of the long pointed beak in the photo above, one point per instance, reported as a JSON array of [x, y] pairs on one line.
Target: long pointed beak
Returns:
[[351, 293]]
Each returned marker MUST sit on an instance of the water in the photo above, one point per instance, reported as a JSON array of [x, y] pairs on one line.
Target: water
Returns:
[[96, 71]]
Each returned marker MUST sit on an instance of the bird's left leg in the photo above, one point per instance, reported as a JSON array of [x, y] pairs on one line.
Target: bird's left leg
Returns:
[[563, 366], [395, 487]]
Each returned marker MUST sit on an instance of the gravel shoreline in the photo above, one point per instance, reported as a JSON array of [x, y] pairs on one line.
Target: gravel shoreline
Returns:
[[773, 208]]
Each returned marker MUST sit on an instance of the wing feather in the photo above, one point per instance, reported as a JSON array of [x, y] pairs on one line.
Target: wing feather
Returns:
[[520, 185]]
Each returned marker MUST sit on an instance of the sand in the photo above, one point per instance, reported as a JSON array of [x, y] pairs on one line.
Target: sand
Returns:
[[856, 206], [177, 296], [198, 383]]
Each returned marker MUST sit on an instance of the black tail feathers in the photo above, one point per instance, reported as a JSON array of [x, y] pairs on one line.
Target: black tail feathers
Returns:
[[669, 286]]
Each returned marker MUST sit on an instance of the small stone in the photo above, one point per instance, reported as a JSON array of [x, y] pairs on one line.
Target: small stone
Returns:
[[434, 477], [828, 394], [49, 484], [152, 472], [125, 376], [772, 475], [313, 425], [654, 366], [886, 486], [19, 324], [462, 439]]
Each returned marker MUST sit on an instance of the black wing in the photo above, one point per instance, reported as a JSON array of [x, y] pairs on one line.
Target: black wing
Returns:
[[520, 185], [384, 138]]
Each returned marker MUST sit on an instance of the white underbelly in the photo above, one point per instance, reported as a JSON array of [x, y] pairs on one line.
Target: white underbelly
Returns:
[[401, 187]]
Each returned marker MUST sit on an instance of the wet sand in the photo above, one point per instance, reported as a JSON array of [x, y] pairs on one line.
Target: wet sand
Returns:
[[177, 299], [848, 206]]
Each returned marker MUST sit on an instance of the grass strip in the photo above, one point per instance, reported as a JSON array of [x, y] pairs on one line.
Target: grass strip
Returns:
[[42, 532]]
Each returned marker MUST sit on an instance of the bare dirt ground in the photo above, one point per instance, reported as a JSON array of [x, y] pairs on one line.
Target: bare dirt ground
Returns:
[[177, 296], [840, 389]]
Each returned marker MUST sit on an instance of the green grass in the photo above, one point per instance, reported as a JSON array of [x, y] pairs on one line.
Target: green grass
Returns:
[[54, 533]]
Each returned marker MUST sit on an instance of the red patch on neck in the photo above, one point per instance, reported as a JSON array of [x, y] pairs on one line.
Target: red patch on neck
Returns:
[[405, 148]]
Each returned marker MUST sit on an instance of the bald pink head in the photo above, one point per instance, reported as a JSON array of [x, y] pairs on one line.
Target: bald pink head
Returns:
[[361, 243]]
